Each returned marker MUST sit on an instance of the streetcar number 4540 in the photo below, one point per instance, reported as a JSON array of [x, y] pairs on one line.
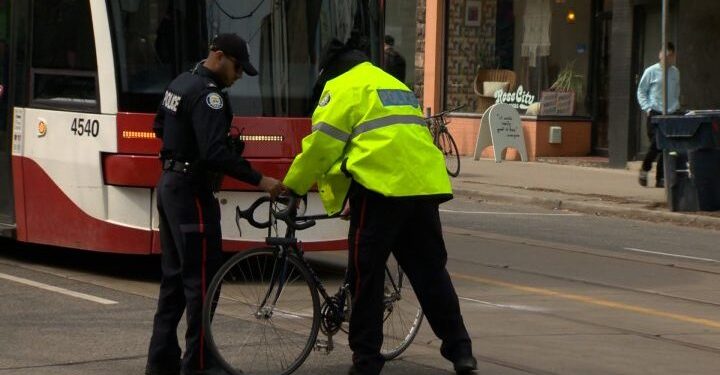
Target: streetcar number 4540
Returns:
[[87, 127]]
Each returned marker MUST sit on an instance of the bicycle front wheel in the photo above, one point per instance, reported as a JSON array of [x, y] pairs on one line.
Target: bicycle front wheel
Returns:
[[266, 315], [402, 315], [447, 145]]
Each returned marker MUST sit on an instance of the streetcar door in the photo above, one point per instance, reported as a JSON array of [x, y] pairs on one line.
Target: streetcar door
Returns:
[[7, 220]]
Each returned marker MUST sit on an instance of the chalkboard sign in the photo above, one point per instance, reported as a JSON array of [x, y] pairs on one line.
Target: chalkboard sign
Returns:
[[558, 103], [501, 128]]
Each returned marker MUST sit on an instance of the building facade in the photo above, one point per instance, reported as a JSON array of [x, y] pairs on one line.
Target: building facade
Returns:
[[572, 64]]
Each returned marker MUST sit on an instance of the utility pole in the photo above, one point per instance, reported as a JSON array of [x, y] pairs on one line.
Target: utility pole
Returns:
[[664, 52]]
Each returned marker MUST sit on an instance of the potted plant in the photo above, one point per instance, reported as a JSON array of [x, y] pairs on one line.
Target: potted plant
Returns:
[[567, 89]]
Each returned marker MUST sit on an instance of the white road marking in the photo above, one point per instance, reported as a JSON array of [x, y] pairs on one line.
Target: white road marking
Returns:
[[506, 213], [671, 255], [512, 307], [55, 289]]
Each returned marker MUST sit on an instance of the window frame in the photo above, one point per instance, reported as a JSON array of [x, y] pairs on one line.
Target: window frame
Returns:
[[73, 104]]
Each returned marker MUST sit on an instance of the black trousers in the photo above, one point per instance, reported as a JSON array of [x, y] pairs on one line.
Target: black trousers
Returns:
[[653, 152], [411, 230], [191, 255]]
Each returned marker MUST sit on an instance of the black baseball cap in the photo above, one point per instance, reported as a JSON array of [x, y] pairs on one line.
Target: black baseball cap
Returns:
[[234, 46]]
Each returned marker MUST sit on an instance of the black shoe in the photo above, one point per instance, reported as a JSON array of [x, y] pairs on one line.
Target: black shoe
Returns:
[[642, 178], [660, 183], [211, 371], [465, 365], [162, 370], [356, 371]]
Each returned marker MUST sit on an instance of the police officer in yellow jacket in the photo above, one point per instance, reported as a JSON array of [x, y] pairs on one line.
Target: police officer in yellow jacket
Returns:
[[370, 146]]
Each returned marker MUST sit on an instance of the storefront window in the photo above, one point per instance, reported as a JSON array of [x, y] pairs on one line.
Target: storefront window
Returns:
[[401, 21], [522, 52]]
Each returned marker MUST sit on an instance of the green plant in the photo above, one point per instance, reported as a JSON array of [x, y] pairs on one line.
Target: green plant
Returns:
[[569, 80]]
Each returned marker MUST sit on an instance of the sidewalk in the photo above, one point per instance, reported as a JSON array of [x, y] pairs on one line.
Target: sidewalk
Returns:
[[595, 190]]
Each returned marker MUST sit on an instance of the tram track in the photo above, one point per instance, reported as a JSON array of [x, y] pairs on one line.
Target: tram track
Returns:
[[589, 252], [626, 331], [583, 251], [576, 249]]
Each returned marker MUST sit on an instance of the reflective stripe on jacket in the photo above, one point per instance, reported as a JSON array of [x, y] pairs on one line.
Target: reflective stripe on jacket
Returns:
[[369, 126]]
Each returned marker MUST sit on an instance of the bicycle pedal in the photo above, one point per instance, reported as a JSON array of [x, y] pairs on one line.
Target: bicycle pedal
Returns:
[[324, 346]]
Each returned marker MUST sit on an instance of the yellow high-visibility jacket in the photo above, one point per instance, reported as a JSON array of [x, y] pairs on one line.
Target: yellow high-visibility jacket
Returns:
[[368, 127]]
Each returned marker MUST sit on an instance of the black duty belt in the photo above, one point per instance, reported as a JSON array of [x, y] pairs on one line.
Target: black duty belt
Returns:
[[176, 166]]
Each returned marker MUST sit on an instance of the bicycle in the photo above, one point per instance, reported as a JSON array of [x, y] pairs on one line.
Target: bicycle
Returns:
[[444, 141], [262, 310]]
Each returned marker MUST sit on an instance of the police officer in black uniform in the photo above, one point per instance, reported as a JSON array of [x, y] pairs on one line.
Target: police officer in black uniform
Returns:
[[193, 122]]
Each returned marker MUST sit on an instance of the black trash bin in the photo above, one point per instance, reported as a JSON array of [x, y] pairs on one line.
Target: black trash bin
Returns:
[[691, 152]]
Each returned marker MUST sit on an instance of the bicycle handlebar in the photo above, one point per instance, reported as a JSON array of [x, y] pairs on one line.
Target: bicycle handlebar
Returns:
[[287, 215], [447, 111], [249, 213]]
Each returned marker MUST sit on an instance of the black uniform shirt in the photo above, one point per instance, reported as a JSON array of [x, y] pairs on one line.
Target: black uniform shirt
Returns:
[[193, 121]]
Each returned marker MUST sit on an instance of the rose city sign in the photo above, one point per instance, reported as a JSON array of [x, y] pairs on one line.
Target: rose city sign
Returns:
[[520, 99]]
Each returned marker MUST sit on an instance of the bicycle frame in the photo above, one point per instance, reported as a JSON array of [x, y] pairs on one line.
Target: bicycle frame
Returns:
[[281, 269], [289, 246], [266, 308]]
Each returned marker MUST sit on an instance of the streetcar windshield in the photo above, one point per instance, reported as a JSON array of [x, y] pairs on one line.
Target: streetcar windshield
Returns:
[[154, 41], [157, 39]]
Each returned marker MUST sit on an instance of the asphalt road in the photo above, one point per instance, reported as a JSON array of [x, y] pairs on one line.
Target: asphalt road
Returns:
[[542, 292]]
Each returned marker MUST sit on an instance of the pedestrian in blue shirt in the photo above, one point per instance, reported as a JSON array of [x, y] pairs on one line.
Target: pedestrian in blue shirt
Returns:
[[650, 98]]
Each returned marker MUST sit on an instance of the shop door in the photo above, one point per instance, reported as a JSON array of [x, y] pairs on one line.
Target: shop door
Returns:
[[6, 199]]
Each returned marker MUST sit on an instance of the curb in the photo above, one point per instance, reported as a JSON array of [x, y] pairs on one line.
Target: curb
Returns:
[[636, 212]]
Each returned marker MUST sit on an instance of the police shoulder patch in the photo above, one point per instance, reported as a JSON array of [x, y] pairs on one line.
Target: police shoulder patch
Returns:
[[214, 100], [324, 100]]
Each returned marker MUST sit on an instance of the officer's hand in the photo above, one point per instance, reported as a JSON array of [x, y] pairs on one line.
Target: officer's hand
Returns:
[[345, 214], [272, 186]]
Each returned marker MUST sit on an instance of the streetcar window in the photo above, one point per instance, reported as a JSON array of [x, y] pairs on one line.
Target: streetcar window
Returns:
[[154, 41], [285, 38], [64, 66]]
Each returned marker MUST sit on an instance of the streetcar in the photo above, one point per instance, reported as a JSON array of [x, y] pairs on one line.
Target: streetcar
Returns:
[[80, 82]]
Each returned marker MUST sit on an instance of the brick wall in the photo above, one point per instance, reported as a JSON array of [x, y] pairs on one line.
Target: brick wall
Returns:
[[420, 50], [468, 47]]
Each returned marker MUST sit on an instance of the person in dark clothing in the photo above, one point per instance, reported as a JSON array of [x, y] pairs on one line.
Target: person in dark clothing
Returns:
[[193, 122], [367, 149], [394, 63]]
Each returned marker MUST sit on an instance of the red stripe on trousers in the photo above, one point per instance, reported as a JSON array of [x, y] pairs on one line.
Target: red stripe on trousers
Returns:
[[357, 247], [201, 228]]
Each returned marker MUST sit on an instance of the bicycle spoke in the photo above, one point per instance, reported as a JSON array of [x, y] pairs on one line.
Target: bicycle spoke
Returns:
[[266, 323], [399, 330]]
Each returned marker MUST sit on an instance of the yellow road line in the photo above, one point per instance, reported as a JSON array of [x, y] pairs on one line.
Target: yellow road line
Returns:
[[588, 300], [592, 301]]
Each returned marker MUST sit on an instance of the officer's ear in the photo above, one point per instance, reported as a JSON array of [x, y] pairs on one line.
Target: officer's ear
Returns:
[[216, 54]]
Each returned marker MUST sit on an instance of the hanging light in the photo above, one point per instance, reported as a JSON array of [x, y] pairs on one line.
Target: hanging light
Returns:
[[570, 17]]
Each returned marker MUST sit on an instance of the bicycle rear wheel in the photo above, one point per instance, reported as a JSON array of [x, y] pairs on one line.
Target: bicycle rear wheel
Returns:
[[446, 143], [403, 314], [267, 313]]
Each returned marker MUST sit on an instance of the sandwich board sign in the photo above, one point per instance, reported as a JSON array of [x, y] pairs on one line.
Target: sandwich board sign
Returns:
[[500, 127]]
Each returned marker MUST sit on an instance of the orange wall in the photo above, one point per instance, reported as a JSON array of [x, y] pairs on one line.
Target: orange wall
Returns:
[[465, 131], [575, 137], [434, 45]]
